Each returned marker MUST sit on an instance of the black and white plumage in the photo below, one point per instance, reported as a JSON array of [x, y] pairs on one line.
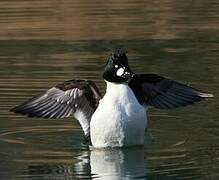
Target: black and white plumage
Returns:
[[119, 118]]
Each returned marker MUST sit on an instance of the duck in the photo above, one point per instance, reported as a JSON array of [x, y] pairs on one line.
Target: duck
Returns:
[[119, 118]]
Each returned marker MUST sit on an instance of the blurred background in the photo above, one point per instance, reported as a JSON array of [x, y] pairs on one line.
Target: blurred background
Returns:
[[44, 42]]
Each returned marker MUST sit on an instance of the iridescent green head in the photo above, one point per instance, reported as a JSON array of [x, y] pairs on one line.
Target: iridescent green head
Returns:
[[117, 69]]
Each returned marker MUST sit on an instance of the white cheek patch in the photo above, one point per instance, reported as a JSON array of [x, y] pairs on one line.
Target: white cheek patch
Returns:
[[120, 72]]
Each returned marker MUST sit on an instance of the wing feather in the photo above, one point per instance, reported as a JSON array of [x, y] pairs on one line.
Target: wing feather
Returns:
[[78, 98], [162, 93]]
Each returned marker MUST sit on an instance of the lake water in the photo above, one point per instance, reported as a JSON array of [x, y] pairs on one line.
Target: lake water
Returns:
[[47, 42]]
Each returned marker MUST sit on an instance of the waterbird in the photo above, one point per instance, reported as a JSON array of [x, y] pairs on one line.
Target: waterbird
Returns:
[[119, 117]]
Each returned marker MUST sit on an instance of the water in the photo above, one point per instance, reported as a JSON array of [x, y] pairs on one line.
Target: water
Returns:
[[46, 42]]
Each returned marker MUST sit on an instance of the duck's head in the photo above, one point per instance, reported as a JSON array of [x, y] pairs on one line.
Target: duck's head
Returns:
[[117, 69]]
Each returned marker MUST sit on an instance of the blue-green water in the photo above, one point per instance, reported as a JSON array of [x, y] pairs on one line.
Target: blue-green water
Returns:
[[46, 42]]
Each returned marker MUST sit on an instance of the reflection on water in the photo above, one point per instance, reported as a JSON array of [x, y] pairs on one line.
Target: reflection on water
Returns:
[[113, 164], [118, 164], [46, 42], [99, 164]]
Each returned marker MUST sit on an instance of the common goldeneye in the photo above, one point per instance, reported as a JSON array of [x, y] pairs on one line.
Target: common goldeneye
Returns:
[[119, 117]]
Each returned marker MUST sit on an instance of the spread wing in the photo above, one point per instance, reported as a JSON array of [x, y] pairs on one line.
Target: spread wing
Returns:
[[162, 93], [78, 98]]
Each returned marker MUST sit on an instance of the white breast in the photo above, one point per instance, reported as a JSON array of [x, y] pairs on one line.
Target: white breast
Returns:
[[119, 119]]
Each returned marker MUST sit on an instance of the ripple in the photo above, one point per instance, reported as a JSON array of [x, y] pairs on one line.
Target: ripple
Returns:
[[47, 42]]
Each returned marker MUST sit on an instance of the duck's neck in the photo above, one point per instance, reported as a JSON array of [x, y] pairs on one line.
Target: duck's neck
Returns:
[[111, 86], [116, 90]]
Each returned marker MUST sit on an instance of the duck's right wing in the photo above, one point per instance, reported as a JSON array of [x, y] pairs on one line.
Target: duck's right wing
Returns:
[[78, 98], [163, 93]]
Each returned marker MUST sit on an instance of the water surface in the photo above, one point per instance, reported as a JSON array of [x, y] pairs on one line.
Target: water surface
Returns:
[[46, 42]]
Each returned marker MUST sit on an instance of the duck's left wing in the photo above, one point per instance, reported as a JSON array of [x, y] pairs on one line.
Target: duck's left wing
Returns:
[[78, 98], [163, 93]]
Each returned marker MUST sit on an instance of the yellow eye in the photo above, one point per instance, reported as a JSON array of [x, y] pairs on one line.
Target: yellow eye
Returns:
[[116, 66]]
